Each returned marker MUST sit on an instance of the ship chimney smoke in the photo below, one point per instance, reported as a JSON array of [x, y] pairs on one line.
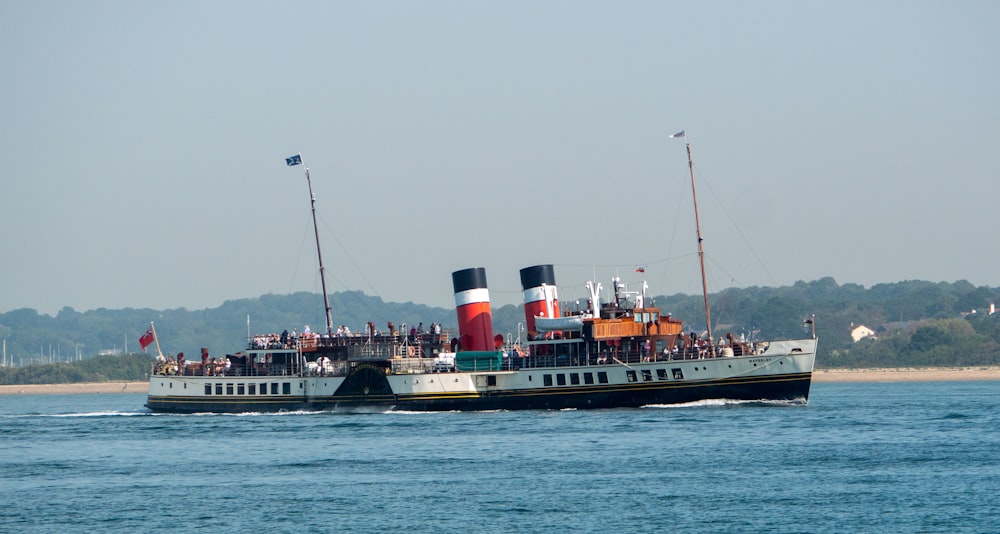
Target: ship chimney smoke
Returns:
[[472, 305]]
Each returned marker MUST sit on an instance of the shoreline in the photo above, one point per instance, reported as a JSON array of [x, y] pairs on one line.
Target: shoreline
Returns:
[[908, 374], [904, 374], [72, 389]]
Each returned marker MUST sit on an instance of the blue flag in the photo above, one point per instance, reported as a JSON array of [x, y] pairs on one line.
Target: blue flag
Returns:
[[294, 160]]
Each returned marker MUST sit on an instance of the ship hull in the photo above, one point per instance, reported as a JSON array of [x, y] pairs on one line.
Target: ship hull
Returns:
[[782, 375], [789, 388]]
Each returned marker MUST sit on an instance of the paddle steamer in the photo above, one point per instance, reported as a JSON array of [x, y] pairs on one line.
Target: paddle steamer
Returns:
[[620, 353]]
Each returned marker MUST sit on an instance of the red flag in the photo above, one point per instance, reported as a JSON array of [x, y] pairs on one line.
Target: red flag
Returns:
[[640, 269], [146, 338]]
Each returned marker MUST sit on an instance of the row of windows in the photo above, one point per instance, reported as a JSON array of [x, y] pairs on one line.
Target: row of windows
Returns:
[[602, 377], [250, 389], [574, 378], [647, 375]]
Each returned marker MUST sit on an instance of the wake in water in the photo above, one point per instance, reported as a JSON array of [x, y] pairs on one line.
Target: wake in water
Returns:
[[79, 414], [729, 402]]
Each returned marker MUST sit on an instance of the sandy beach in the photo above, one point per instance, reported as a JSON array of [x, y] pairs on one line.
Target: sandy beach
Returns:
[[67, 389], [916, 374]]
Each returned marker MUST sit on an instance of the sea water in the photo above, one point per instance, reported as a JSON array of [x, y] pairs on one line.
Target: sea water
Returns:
[[894, 457]]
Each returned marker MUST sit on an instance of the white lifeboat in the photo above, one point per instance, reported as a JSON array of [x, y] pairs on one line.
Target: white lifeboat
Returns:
[[570, 323]]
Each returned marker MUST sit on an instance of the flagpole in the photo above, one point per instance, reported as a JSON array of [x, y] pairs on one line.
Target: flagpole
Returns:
[[319, 254], [156, 339], [701, 251]]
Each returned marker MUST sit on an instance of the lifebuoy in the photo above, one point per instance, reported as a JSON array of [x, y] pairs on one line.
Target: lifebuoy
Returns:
[[410, 351]]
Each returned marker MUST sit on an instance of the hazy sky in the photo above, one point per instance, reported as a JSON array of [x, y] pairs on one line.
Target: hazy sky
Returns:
[[142, 146]]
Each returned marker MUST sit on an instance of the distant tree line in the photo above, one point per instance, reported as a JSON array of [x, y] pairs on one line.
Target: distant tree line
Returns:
[[918, 323], [121, 368]]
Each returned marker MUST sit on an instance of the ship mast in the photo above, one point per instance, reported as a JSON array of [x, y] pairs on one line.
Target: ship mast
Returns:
[[297, 160], [701, 251], [319, 255]]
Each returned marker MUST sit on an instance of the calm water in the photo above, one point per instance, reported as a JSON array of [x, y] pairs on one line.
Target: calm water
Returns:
[[908, 457]]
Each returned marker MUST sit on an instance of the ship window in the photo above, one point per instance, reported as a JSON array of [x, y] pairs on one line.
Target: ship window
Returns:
[[602, 377], [647, 375], [263, 388], [561, 379], [229, 389], [274, 388], [630, 374], [547, 380], [678, 375], [218, 389], [301, 385], [588, 378], [241, 389], [252, 389], [208, 389], [661, 374], [574, 379], [491, 380], [171, 385], [286, 388]]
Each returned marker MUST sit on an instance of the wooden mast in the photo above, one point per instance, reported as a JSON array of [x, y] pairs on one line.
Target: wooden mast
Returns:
[[156, 338], [319, 255], [701, 251]]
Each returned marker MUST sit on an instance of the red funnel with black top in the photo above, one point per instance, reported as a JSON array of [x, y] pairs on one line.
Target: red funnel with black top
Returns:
[[472, 304], [540, 297]]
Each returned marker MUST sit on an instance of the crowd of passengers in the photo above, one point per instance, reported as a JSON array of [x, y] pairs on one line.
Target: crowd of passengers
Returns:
[[688, 347], [288, 340], [167, 365], [692, 346]]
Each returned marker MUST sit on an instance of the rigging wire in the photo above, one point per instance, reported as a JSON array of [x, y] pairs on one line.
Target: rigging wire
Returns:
[[732, 221], [306, 235], [298, 261]]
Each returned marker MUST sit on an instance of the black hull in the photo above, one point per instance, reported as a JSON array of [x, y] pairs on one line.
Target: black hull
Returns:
[[779, 389], [793, 388]]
